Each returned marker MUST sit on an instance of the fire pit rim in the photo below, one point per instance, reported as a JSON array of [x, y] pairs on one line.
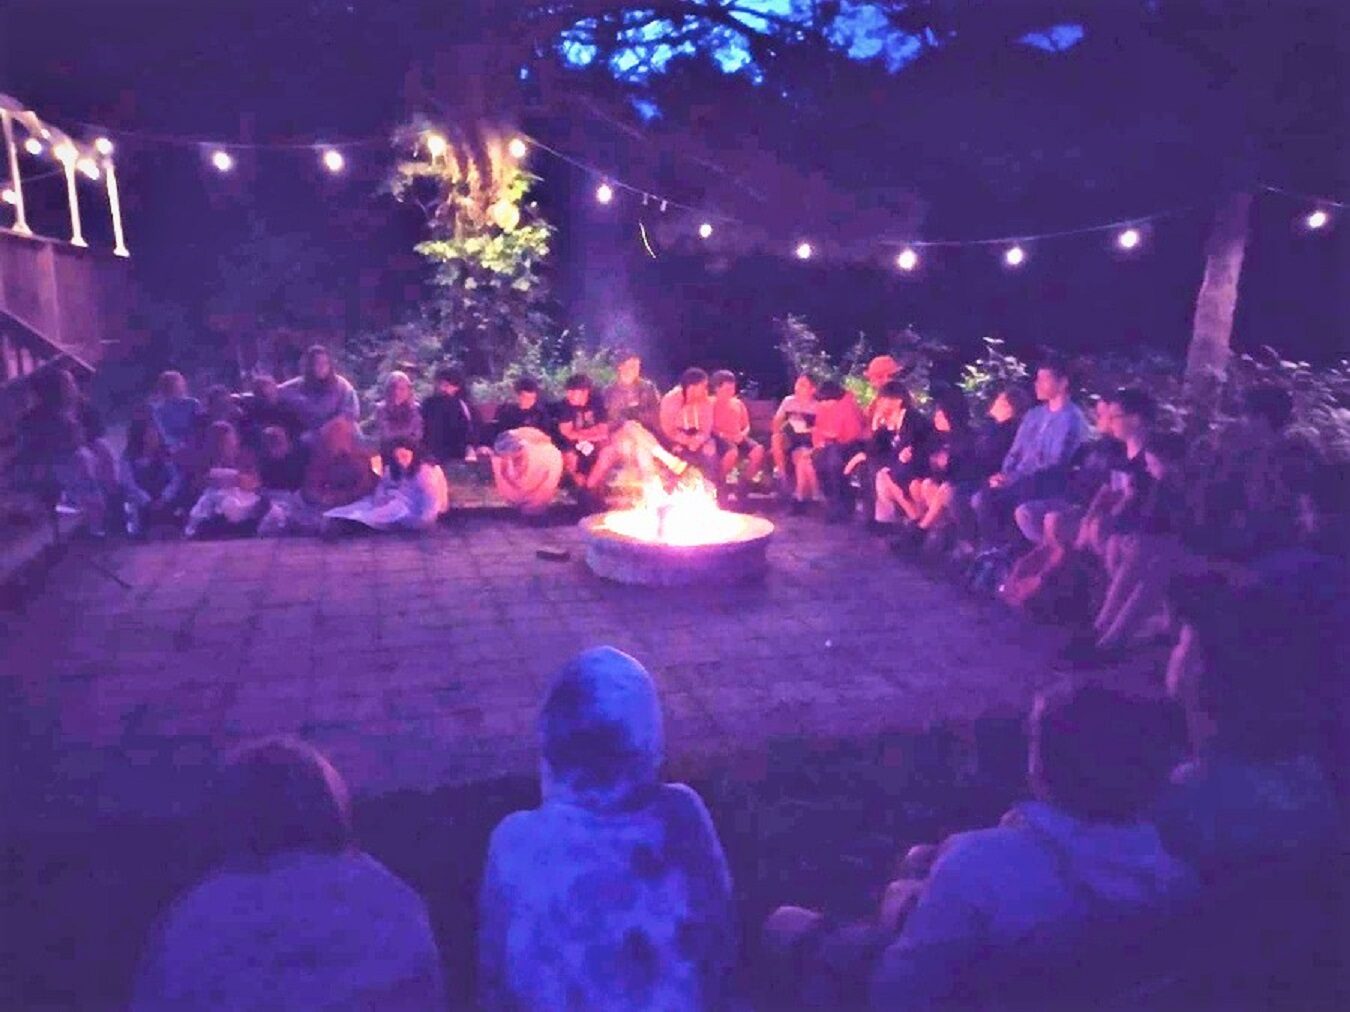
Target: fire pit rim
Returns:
[[754, 529]]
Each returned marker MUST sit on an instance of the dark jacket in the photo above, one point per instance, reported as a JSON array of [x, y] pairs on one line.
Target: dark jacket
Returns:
[[449, 426]]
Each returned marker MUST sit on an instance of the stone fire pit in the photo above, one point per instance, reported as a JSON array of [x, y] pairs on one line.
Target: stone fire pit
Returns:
[[629, 546]]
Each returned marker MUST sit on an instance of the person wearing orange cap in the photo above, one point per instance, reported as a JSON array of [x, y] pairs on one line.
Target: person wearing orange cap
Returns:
[[880, 371]]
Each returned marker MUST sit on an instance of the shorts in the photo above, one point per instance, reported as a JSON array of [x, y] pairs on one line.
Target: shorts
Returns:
[[744, 448], [795, 441]]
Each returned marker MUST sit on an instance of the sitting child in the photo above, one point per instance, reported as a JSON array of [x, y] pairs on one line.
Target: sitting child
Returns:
[[282, 461], [150, 481], [528, 412], [731, 431], [411, 494], [686, 418], [449, 422], [583, 428], [229, 503], [837, 436], [614, 893], [1079, 858], [790, 443], [526, 468], [296, 915], [176, 412], [897, 453]]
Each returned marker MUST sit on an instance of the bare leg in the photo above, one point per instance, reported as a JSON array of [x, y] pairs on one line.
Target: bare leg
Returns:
[[808, 486], [887, 509], [754, 465]]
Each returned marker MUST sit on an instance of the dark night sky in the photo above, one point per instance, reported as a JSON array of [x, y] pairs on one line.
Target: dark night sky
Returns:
[[243, 70]]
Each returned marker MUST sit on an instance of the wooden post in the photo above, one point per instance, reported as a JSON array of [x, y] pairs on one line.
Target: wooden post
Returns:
[[115, 206], [66, 155], [16, 183]]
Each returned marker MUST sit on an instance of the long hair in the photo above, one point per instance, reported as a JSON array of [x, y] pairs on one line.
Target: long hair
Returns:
[[391, 465]]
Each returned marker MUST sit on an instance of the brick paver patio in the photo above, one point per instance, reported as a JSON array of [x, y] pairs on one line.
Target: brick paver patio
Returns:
[[420, 662]]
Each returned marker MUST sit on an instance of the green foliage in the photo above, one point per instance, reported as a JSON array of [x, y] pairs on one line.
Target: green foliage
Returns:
[[490, 298], [801, 349], [1321, 397], [994, 369], [549, 361]]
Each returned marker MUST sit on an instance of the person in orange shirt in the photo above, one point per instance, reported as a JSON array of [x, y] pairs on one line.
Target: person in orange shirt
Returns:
[[836, 440], [731, 431]]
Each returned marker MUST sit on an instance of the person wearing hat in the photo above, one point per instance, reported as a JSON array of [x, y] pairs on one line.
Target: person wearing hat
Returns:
[[880, 371]]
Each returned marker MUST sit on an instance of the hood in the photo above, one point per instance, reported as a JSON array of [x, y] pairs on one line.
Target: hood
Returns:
[[601, 731], [1120, 865]]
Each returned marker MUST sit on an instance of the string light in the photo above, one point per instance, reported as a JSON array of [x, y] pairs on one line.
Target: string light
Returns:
[[33, 146], [1317, 219], [705, 231], [907, 260], [103, 146], [8, 196], [1015, 256], [65, 153], [604, 193], [436, 145], [516, 148], [1129, 239], [333, 160], [804, 251], [222, 160], [89, 167]]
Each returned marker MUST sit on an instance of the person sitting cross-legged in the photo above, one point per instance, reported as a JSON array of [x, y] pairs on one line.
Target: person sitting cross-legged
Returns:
[[731, 432], [614, 893], [995, 910], [295, 916]]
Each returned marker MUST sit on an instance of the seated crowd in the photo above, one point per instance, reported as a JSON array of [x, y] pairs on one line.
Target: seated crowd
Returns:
[[294, 457], [1169, 855]]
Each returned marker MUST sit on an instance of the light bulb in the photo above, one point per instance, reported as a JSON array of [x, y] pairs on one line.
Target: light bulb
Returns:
[[705, 230], [222, 160], [516, 148], [103, 146], [604, 193], [1015, 256], [804, 251], [907, 260], [1318, 219], [33, 146], [89, 167], [333, 160], [8, 196], [65, 153], [436, 145], [1129, 239]]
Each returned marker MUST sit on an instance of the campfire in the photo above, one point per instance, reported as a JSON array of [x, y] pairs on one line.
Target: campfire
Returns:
[[676, 535], [683, 516]]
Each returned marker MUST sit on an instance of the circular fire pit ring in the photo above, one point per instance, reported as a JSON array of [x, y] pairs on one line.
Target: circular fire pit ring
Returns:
[[737, 554]]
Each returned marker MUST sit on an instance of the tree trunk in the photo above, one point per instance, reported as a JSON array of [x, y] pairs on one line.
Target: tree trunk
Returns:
[[1212, 330]]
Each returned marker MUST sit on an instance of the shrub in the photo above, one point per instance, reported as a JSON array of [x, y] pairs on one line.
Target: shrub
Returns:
[[550, 360]]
